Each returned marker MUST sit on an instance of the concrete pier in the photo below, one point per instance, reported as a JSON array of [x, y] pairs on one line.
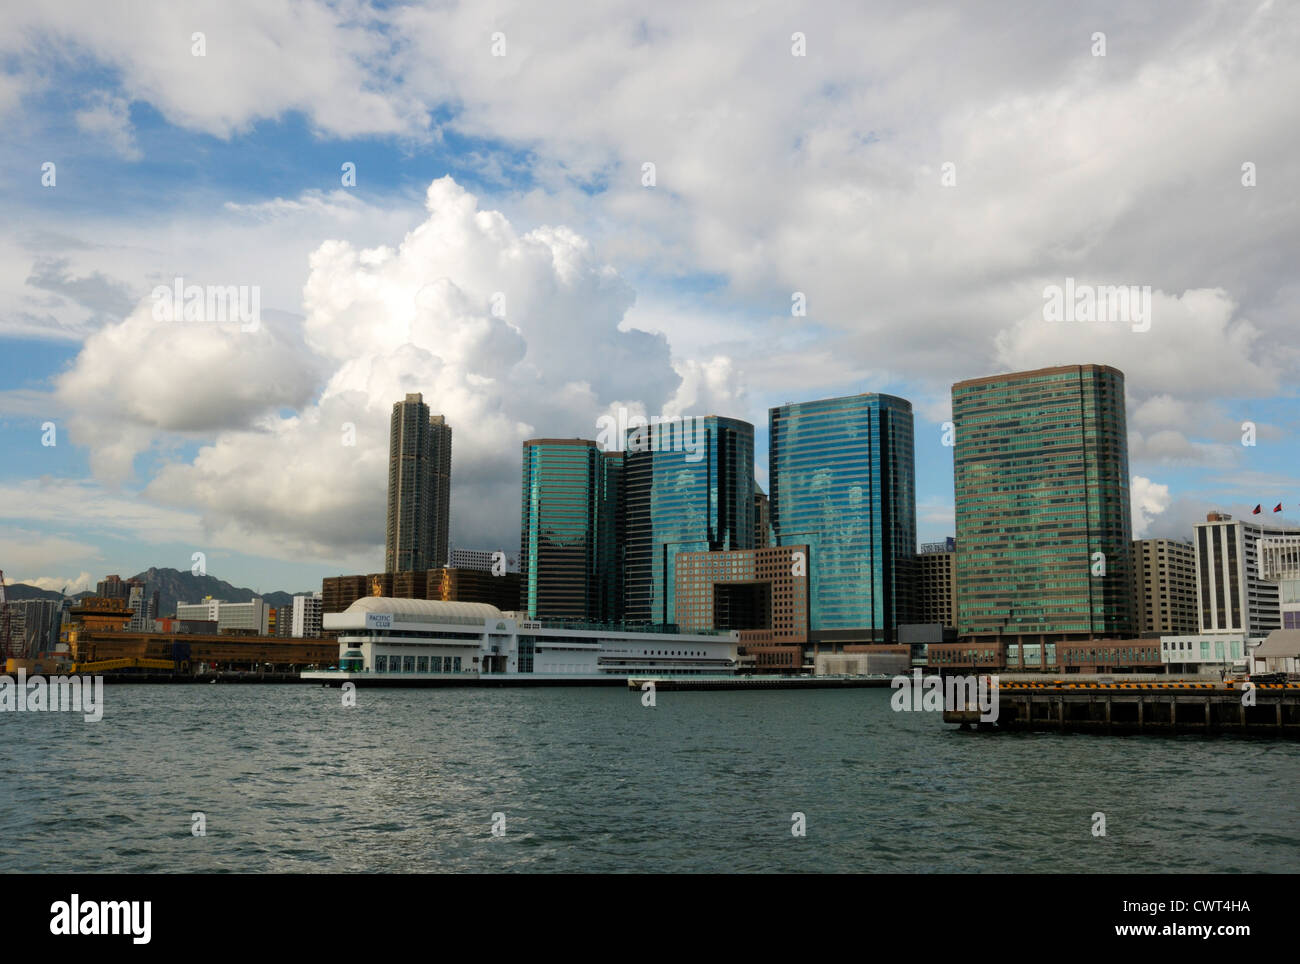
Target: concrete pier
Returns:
[[1273, 709]]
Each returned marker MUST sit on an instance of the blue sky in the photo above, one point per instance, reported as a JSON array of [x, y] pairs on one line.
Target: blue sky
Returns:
[[773, 175]]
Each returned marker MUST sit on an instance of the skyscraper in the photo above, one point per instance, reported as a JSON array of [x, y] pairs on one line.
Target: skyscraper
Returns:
[[842, 480], [1044, 538], [688, 487], [568, 547], [419, 487]]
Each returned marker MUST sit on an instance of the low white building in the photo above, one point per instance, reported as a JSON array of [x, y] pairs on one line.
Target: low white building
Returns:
[[250, 617], [1208, 653], [403, 640]]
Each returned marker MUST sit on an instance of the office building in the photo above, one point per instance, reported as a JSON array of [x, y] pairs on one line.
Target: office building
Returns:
[[1044, 537], [842, 481], [761, 593], [688, 486], [419, 487], [1279, 562], [1232, 594], [1164, 587], [252, 618], [762, 520], [936, 584], [568, 546]]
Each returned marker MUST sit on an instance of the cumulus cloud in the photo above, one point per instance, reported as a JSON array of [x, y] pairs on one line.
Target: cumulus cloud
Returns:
[[145, 376], [508, 334], [1148, 499]]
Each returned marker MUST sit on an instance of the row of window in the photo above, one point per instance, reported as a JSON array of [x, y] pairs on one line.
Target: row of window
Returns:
[[417, 664]]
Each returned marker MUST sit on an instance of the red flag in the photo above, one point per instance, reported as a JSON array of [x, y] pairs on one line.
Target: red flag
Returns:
[[1278, 507], [1255, 511]]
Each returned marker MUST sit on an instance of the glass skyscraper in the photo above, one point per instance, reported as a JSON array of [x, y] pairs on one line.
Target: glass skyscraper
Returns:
[[419, 487], [688, 487], [569, 542], [1044, 536], [842, 479]]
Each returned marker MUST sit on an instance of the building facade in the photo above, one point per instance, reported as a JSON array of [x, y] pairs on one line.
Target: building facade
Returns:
[[1044, 534], [306, 616], [570, 566], [762, 520], [842, 478], [760, 593], [419, 487], [1164, 587], [688, 486], [1232, 594], [249, 618], [1279, 558], [936, 584], [392, 641]]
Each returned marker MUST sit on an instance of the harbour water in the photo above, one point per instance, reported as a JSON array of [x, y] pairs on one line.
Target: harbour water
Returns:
[[288, 780]]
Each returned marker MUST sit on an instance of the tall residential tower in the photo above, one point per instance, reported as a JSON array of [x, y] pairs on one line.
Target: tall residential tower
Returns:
[[419, 487]]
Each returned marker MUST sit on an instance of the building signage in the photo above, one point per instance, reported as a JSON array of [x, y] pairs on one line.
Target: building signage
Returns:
[[379, 620]]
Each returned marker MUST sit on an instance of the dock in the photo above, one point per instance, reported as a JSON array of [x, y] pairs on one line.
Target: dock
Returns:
[[714, 683], [1141, 707]]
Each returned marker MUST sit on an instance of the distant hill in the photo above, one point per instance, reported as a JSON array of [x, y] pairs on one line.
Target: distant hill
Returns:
[[22, 591], [175, 586]]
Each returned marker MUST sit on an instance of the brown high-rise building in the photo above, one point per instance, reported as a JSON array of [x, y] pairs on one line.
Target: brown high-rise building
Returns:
[[475, 585], [419, 487], [936, 584], [1164, 586], [340, 592]]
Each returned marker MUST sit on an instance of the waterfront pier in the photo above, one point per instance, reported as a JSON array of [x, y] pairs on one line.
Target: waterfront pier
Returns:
[[1272, 709]]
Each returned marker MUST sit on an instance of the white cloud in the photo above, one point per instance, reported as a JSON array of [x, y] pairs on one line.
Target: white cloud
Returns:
[[71, 585], [386, 321], [108, 117], [1148, 500]]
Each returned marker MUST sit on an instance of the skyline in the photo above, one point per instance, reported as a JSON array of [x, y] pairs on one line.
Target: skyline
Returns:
[[776, 176]]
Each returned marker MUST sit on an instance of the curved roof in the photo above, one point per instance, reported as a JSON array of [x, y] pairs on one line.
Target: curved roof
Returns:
[[427, 610]]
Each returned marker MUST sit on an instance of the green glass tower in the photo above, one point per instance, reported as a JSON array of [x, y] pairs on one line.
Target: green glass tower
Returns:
[[843, 481], [1044, 534], [570, 540]]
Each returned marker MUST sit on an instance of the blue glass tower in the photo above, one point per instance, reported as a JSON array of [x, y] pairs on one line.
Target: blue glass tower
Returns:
[[842, 478], [688, 487]]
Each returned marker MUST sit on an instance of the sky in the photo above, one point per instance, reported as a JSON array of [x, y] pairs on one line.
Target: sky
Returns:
[[536, 215]]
